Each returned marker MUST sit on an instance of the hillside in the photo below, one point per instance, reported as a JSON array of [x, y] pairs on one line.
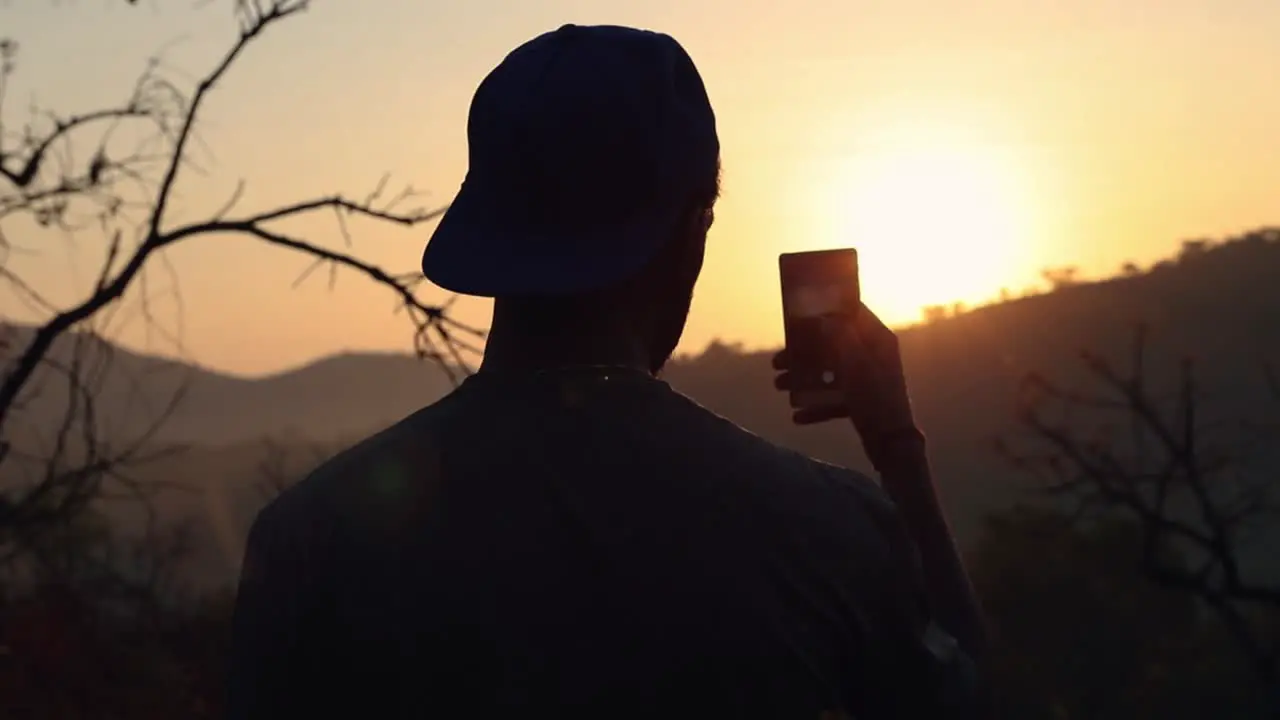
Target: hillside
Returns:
[[1218, 305], [336, 396]]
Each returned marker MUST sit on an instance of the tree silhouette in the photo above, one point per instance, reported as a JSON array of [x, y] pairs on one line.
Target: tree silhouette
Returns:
[[111, 173], [1194, 499], [106, 190], [1061, 277]]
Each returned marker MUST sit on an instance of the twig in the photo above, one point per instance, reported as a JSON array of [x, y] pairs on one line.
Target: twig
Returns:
[[1095, 474]]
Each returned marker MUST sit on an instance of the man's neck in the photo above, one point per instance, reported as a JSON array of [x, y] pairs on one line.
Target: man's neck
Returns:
[[514, 349]]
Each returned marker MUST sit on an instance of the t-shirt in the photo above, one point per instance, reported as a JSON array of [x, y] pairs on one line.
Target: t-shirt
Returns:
[[584, 542]]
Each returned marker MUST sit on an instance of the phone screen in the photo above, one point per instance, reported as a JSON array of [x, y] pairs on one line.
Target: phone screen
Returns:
[[817, 287]]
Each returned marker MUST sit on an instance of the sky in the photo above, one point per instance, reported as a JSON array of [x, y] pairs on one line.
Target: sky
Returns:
[[961, 146]]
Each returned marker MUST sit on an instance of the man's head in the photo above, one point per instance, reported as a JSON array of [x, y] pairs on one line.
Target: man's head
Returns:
[[594, 168]]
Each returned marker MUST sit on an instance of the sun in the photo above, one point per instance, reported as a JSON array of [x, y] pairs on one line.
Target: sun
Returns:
[[932, 225]]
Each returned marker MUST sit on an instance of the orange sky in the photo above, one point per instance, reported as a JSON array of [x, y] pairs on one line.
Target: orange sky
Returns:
[[961, 146]]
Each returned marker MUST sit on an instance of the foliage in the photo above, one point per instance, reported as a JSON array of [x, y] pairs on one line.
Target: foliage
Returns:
[[1080, 632]]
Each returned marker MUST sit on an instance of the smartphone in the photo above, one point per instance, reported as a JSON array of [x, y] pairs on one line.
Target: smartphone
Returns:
[[817, 287]]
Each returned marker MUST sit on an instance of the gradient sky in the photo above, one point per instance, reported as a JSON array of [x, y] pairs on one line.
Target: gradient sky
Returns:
[[961, 145]]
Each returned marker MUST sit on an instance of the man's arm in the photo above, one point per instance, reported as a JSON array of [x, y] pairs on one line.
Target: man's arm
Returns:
[[272, 628], [876, 401], [919, 667], [906, 477]]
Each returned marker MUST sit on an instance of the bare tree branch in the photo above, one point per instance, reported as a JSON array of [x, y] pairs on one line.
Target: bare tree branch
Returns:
[[1190, 499], [30, 167], [255, 19], [116, 170]]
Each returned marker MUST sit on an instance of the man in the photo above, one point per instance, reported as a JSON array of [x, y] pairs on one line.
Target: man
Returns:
[[565, 535]]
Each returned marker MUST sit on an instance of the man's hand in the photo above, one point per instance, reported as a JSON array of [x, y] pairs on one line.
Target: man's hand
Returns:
[[871, 377]]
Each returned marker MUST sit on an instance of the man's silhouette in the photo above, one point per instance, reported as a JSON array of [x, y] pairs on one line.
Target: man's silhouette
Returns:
[[564, 534]]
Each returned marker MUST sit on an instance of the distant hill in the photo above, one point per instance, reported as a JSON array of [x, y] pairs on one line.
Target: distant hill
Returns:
[[334, 397], [1216, 303]]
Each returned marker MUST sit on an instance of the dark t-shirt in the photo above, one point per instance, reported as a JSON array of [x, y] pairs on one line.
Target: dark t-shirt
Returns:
[[582, 543]]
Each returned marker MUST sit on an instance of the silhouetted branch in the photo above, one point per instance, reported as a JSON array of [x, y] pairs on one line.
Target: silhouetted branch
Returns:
[[255, 18], [73, 466], [90, 170], [116, 170], [1189, 498]]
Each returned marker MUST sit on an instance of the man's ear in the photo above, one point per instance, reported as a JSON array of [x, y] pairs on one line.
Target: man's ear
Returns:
[[680, 258], [694, 243]]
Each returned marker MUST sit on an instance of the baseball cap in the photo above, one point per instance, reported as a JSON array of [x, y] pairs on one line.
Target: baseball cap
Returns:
[[585, 145]]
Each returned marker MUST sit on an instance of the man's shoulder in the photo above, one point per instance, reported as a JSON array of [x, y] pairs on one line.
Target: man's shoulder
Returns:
[[842, 496], [381, 471], [846, 481], [794, 467]]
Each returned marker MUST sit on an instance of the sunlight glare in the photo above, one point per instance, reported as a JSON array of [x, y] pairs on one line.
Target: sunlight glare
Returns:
[[932, 226]]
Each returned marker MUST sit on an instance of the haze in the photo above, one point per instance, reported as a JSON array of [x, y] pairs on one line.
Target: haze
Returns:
[[960, 146]]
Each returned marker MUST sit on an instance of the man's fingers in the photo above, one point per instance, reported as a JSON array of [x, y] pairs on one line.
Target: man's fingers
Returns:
[[868, 356], [812, 416]]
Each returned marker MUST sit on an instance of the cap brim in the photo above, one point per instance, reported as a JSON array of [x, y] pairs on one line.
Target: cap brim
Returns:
[[473, 252]]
